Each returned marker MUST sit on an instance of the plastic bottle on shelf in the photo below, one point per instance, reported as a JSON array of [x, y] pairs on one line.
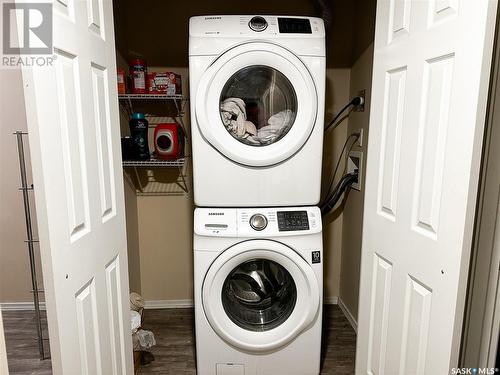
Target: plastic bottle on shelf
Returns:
[[138, 75], [139, 133], [120, 76]]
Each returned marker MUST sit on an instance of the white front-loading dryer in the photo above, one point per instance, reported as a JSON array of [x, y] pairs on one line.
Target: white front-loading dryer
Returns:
[[257, 88], [258, 290]]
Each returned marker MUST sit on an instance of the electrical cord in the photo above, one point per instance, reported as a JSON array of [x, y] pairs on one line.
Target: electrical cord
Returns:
[[337, 120], [356, 101], [340, 121], [334, 195], [332, 178]]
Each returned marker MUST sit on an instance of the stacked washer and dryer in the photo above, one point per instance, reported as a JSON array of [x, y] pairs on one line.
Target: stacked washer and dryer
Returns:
[[257, 88]]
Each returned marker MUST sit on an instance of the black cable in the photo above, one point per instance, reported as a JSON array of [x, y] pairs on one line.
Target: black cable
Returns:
[[340, 121], [356, 101], [332, 178], [344, 184], [337, 116]]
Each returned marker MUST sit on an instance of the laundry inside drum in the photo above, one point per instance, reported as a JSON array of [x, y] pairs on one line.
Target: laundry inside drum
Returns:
[[259, 295], [258, 105]]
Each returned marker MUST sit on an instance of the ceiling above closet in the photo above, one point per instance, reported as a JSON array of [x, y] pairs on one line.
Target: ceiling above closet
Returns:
[[158, 30]]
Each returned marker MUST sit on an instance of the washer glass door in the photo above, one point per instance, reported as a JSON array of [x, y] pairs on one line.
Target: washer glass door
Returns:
[[259, 295], [256, 104]]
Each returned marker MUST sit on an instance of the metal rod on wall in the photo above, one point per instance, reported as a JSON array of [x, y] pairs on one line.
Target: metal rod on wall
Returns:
[[29, 232]]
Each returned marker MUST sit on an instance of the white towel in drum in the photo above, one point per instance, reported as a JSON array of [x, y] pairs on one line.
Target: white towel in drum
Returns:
[[277, 124], [234, 118]]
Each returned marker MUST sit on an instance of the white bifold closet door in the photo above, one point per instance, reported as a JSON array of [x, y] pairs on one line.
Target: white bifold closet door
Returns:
[[74, 137], [430, 83]]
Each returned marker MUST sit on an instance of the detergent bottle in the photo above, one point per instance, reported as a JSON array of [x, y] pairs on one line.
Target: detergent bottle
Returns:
[[139, 133]]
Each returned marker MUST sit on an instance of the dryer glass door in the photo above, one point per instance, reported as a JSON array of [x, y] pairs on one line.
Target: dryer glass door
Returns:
[[256, 104], [259, 295]]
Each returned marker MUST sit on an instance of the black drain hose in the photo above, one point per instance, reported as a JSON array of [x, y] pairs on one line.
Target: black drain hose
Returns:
[[343, 185]]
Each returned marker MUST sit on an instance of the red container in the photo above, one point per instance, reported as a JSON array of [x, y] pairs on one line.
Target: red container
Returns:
[[138, 74], [121, 81], [169, 141]]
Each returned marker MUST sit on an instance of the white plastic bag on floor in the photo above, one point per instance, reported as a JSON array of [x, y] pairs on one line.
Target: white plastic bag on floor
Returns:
[[146, 339], [135, 320]]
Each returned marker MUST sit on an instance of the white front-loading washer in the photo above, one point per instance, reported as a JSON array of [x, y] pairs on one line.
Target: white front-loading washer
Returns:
[[258, 290], [257, 91]]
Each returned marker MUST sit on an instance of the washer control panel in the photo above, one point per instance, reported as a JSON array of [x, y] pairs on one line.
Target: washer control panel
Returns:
[[257, 222], [292, 220]]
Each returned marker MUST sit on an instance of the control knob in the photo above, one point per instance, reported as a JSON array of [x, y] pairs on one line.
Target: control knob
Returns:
[[258, 222], [258, 23]]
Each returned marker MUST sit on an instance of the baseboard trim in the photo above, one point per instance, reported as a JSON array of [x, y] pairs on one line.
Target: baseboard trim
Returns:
[[19, 306], [348, 315], [331, 300], [169, 304]]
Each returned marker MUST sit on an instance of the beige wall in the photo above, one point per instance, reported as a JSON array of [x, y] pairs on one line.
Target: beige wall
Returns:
[[165, 233], [337, 95], [15, 279], [353, 210], [132, 221]]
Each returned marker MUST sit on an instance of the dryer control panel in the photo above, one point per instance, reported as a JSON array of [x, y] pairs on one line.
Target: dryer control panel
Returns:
[[257, 222], [289, 25], [256, 26]]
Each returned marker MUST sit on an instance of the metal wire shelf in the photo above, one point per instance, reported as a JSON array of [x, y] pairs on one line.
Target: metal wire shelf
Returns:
[[140, 174], [151, 96], [154, 163], [151, 186], [180, 101]]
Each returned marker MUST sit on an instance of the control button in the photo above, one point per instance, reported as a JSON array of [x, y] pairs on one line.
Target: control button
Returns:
[[258, 23], [258, 222]]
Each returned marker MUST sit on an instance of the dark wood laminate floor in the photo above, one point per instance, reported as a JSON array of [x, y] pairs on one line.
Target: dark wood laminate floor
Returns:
[[22, 345], [174, 351]]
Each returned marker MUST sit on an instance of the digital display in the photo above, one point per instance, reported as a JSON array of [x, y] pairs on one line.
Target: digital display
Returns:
[[292, 220], [294, 26]]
